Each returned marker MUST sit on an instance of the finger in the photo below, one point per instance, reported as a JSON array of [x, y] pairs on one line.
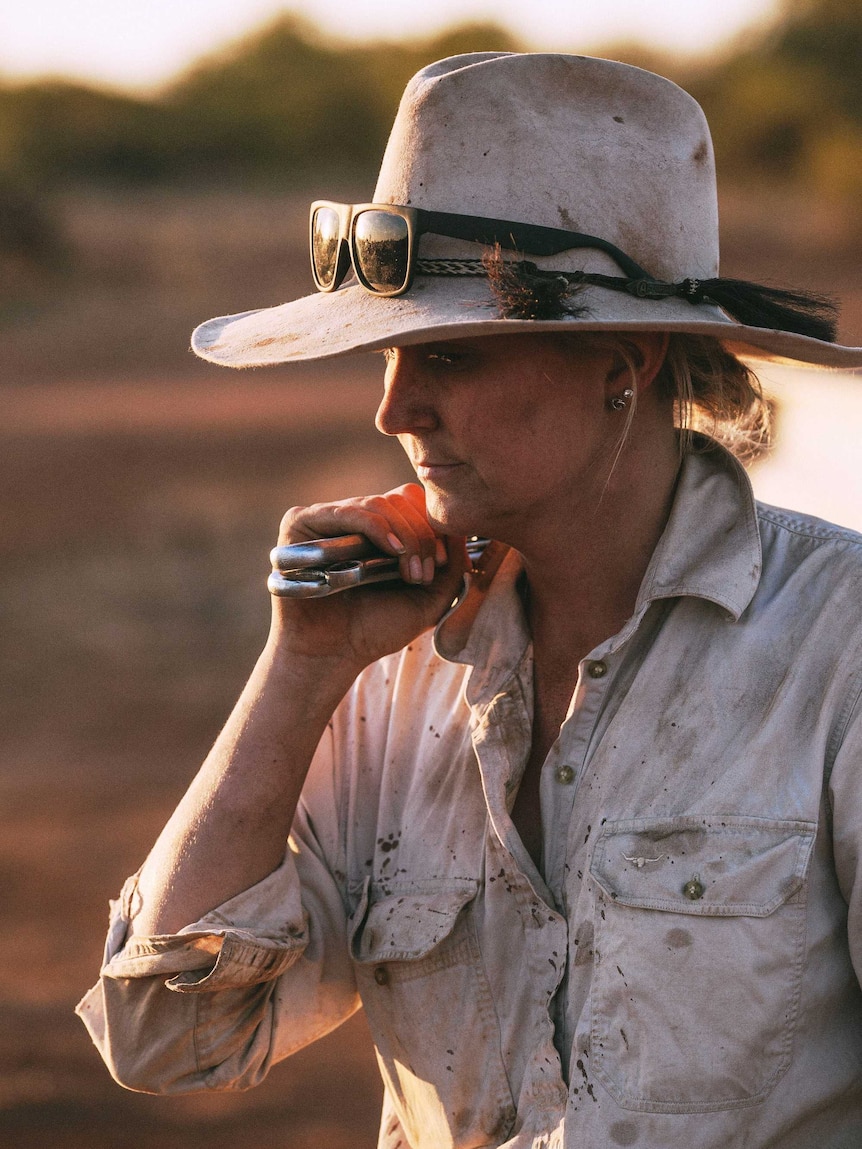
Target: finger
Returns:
[[390, 522], [423, 549], [414, 493], [330, 520]]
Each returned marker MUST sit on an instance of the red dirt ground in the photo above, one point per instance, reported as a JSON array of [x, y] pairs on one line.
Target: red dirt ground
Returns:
[[133, 555]]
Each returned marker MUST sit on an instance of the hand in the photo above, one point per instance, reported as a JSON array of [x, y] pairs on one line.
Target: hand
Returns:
[[356, 627]]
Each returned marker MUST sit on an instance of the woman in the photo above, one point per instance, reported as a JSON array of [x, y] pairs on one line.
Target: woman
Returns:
[[586, 851]]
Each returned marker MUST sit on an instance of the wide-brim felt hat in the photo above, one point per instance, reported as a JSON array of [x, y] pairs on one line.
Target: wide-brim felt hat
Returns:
[[587, 145]]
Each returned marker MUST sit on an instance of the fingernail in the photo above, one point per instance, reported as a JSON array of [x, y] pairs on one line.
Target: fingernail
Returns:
[[441, 553], [396, 544], [415, 567], [428, 570]]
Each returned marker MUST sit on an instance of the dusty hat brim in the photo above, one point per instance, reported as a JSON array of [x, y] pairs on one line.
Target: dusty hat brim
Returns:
[[322, 326]]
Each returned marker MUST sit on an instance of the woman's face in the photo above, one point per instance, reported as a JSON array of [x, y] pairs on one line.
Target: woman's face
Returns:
[[505, 432]]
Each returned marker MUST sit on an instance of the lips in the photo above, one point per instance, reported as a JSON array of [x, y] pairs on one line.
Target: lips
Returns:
[[435, 469]]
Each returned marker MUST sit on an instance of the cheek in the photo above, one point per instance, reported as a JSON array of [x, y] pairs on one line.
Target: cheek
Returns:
[[508, 428], [552, 452]]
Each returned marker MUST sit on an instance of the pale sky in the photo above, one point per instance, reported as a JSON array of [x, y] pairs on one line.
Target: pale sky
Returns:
[[815, 464], [143, 42]]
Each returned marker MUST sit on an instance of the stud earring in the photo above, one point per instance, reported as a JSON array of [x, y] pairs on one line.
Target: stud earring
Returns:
[[620, 402]]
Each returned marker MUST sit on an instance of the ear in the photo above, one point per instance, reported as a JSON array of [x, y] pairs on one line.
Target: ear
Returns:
[[641, 354]]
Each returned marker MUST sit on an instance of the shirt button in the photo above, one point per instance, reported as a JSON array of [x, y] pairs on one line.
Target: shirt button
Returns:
[[565, 775], [597, 669], [694, 890], [381, 975]]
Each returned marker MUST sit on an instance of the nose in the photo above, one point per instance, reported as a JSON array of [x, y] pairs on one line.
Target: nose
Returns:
[[407, 405]]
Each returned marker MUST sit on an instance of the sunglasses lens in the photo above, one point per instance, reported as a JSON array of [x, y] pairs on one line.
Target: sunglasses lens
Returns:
[[324, 245], [380, 250]]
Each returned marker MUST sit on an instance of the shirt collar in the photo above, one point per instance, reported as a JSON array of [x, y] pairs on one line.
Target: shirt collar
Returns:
[[486, 628], [710, 549]]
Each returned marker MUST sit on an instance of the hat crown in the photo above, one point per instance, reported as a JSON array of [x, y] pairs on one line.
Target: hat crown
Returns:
[[573, 142]]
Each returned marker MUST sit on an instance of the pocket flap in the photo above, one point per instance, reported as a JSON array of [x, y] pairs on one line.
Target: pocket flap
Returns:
[[714, 866], [405, 926]]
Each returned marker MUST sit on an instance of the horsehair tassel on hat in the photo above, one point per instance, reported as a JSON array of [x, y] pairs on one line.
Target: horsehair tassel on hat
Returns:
[[524, 291], [757, 305]]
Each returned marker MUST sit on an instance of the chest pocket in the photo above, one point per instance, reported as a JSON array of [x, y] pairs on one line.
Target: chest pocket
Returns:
[[700, 928], [426, 995]]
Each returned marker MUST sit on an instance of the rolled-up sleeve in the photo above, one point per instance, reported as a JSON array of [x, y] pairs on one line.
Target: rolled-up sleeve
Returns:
[[252, 981]]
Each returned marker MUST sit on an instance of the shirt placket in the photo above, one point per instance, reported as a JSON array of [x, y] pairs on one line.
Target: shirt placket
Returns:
[[559, 789], [571, 812], [543, 1094], [564, 766]]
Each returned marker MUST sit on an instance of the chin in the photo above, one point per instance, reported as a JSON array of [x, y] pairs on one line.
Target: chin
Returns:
[[443, 514], [448, 518]]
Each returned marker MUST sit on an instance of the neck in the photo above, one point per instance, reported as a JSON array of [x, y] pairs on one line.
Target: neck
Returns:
[[584, 569]]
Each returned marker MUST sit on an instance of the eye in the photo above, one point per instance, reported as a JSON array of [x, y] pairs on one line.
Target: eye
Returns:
[[447, 358]]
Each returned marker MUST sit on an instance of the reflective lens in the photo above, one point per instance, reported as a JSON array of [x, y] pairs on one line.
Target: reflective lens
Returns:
[[324, 245], [380, 250]]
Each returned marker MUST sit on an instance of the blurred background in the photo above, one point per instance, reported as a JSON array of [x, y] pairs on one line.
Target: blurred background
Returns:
[[156, 162]]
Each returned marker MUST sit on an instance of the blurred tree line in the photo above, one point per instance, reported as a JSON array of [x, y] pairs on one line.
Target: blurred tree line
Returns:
[[275, 105], [789, 105], [784, 103]]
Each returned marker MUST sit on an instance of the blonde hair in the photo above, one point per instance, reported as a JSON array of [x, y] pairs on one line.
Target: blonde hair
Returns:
[[713, 393], [716, 394]]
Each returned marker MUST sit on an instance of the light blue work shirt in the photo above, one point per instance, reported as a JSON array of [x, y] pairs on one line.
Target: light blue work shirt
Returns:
[[684, 971]]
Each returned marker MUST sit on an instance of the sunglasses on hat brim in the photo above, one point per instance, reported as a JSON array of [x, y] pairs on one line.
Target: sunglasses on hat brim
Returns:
[[380, 242]]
